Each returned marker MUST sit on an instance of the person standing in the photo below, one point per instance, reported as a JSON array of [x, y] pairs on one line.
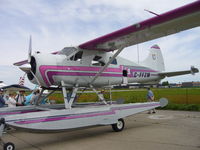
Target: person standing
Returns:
[[2, 101], [150, 98], [35, 97], [11, 100], [20, 99]]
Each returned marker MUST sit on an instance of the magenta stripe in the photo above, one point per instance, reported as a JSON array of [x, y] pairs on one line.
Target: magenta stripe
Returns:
[[64, 118], [78, 68], [155, 47], [43, 70], [111, 112], [50, 74], [50, 71], [176, 13]]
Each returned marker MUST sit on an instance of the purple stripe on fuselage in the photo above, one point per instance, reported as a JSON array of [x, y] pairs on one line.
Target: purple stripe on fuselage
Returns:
[[58, 118], [48, 72]]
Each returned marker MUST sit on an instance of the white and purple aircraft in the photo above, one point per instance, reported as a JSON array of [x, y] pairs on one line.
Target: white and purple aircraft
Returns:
[[96, 64]]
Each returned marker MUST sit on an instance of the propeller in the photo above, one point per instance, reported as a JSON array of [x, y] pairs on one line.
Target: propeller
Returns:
[[30, 67], [27, 67], [30, 50]]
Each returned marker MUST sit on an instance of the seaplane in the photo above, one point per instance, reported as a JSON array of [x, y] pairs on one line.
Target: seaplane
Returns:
[[95, 64]]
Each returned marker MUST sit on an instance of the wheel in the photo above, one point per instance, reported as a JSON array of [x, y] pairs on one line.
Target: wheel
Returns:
[[119, 126], [9, 146]]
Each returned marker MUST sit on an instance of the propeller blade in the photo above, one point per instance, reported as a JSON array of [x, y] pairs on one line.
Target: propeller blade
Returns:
[[30, 50], [26, 68]]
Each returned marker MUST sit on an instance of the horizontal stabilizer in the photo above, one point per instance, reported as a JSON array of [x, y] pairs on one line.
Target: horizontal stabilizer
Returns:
[[193, 70]]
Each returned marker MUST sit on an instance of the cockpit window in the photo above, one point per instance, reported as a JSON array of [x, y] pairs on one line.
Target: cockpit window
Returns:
[[67, 50], [77, 56], [96, 58], [114, 62], [97, 61]]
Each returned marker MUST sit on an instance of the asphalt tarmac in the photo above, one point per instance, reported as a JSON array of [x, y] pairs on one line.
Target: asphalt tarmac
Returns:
[[166, 130]]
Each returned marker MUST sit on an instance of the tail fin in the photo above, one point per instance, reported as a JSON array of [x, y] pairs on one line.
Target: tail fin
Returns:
[[155, 59]]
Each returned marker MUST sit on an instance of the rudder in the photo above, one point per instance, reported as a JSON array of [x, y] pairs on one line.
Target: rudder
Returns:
[[155, 59]]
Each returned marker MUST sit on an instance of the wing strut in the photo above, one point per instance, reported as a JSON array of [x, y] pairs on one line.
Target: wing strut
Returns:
[[101, 97], [70, 96], [106, 65]]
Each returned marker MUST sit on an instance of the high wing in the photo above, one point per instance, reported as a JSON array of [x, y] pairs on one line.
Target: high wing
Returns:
[[176, 73], [171, 22]]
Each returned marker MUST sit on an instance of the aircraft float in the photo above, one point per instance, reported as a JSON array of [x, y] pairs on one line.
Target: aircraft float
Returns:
[[96, 64]]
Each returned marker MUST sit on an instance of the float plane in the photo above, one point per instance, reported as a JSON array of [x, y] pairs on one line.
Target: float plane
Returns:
[[96, 64]]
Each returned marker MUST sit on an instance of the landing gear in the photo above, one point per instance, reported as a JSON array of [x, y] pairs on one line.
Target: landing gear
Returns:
[[119, 126], [9, 145]]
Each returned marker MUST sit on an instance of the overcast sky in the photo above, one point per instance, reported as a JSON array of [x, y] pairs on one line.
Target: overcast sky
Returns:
[[55, 24]]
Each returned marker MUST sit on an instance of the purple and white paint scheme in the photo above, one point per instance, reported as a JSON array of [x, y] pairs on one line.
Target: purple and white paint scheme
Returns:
[[94, 64], [55, 120], [80, 65]]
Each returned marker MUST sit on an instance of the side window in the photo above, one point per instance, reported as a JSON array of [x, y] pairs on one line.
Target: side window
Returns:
[[114, 62], [125, 73], [97, 61], [77, 56]]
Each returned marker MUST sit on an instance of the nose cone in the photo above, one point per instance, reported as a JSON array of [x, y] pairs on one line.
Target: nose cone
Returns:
[[26, 68]]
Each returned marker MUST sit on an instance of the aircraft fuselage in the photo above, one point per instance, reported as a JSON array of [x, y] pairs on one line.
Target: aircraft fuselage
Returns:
[[52, 69]]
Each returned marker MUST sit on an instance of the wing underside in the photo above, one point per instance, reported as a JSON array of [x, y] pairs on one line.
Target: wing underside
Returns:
[[171, 22]]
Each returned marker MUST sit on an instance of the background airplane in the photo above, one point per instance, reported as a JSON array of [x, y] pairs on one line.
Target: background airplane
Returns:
[[15, 87], [2, 84]]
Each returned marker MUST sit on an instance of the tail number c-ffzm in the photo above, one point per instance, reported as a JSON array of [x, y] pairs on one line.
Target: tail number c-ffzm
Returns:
[[141, 74]]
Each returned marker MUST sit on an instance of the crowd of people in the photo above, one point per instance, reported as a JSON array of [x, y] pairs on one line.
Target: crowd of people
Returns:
[[18, 99]]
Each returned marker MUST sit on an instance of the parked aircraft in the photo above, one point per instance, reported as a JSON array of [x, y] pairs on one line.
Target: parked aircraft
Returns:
[[91, 64], [2, 84], [15, 87]]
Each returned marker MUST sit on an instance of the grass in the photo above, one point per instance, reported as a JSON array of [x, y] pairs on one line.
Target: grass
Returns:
[[179, 98]]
